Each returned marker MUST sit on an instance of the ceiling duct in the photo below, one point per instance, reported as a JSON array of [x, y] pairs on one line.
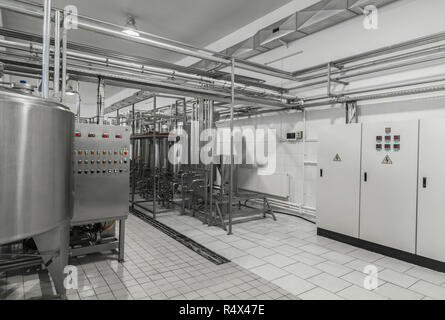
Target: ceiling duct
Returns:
[[320, 16]]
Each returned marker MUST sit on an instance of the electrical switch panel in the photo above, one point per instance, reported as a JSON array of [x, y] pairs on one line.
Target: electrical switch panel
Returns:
[[101, 168]]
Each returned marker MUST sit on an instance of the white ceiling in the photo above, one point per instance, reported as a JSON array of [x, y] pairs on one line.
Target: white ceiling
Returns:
[[198, 22]]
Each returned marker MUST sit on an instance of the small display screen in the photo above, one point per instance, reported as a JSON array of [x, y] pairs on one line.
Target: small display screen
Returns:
[[291, 135]]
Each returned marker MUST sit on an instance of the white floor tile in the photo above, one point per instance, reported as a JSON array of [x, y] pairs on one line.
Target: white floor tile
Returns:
[[248, 261], [365, 255], [358, 278], [269, 272], [329, 282], [397, 278], [394, 264], [429, 290], [279, 260], [302, 270], [333, 268], [429, 275], [394, 292], [319, 294], [337, 257], [293, 284], [357, 293], [260, 252]]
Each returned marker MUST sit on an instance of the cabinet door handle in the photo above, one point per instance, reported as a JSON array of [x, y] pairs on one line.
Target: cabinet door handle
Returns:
[[424, 182], [321, 173], [365, 176]]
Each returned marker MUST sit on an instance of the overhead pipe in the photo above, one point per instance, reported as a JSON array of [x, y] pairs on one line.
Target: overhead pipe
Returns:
[[90, 24], [148, 69]]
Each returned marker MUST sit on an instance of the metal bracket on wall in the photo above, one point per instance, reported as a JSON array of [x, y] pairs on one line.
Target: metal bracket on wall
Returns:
[[351, 112], [330, 79]]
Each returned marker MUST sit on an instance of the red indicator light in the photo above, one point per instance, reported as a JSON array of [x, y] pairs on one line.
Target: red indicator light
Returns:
[[77, 134], [125, 152], [80, 153], [388, 130], [387, 146], [118, 136], [105, 135], [91, 135], [379, 138]]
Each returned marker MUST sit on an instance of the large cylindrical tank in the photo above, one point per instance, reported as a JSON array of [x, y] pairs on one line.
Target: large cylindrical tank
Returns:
[[35, 165]]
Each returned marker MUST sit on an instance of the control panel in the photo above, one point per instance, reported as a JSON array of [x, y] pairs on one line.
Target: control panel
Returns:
[[101, 172], [392, 142]]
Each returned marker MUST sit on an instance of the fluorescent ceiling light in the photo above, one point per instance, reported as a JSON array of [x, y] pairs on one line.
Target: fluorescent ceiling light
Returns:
[[130, 27]]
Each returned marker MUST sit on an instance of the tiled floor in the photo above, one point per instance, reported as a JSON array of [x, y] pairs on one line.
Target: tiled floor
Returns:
[[290, 254], [270, 260], [156, 267]]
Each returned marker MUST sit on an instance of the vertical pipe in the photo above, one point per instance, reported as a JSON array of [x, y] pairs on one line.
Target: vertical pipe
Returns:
[[329, 80], [57, 26], [78, 101], [154, 150], [64, 50], [132, 163], [46, 48], [211, 182], [100, 100], [232, 105]]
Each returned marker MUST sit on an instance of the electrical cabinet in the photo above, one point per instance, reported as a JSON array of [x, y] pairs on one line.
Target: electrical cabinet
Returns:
[[101, 172], [389, 184], [431, 190], [338, 184]]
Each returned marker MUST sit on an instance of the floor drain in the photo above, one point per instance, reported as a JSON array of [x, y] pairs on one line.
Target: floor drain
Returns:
[[186, 241]]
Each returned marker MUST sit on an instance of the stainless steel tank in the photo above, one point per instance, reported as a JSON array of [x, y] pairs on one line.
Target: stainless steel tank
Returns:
[[35, 165]]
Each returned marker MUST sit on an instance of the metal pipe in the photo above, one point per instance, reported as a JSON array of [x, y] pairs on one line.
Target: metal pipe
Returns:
[[232, 106], [91, 24], [57, 22], [78, 101], [64, 59], [46, 48]]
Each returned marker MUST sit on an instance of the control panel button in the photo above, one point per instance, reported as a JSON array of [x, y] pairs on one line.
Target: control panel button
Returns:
[[397, 138], [387, 130], [77, 134], [387, 147], [388, 138], [379, 139], [397, 147], [378, 147], [91, 135], [118, 136], [105, 135]]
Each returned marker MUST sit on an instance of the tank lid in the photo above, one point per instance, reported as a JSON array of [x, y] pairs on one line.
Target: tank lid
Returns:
[[14, 94]]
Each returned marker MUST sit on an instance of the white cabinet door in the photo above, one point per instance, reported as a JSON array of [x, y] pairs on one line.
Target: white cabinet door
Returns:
[[338, 183], [431, 203], [389, 184]]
